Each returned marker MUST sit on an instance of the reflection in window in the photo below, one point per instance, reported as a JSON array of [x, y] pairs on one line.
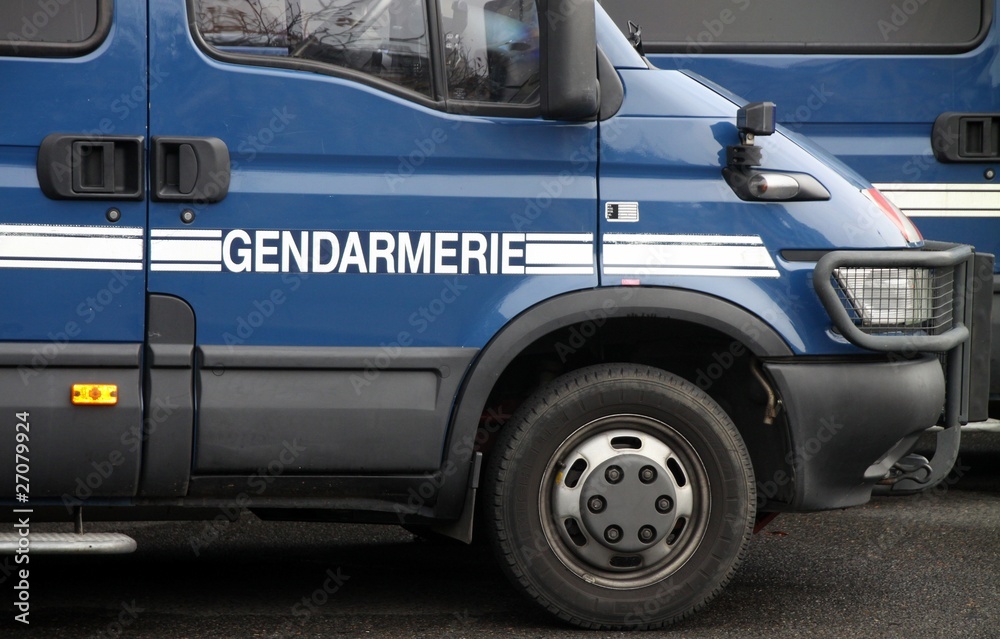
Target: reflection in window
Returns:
[[386, 39], [491, 50]]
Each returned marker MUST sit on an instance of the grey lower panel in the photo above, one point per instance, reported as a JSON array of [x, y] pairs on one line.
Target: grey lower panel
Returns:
[[71, 453], [325, 410]]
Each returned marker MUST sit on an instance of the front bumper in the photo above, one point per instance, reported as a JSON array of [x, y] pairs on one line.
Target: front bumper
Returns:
[[849, 422]]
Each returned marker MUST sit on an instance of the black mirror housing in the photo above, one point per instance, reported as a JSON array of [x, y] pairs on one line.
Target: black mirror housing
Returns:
[[756, 118], [568, 38]]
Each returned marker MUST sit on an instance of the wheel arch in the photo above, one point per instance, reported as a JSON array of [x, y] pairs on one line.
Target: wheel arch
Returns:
[[596, 306]]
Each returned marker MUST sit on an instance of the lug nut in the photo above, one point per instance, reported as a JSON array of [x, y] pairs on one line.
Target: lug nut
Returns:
[[613, 474], [613, 534], [647, 534], [664, 504], [596, 504], [647, 474]]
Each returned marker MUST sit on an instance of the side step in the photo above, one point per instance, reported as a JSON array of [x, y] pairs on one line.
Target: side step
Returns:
[[68, 543]]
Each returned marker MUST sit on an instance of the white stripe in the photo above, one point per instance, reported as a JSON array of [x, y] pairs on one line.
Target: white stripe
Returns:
[[186, 250], [962, 213], [167, 266], [189, 233], [687, 255], [70, 264], [56, 247], [707, 272], [929, 186], [559, 237], [70, 231], [559, 270], [641, 238], [948, 200], [558, 254], [944, 200]]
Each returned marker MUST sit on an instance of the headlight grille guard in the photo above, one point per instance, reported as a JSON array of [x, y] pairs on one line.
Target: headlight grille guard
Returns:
[[944, 268]]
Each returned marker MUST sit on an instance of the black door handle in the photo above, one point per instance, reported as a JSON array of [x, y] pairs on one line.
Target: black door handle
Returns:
[[966, 137], [103, 167], [189, 169]]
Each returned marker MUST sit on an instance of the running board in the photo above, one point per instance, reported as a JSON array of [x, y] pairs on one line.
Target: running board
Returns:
[[67, 544]]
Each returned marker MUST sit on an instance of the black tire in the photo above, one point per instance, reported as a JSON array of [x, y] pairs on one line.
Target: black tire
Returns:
[[558, 544]]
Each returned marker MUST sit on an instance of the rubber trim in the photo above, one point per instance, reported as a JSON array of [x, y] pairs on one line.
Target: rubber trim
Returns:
[[85, 355], [331, 358]]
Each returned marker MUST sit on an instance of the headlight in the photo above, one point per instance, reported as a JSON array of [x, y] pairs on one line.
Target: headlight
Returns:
[[888, 297]]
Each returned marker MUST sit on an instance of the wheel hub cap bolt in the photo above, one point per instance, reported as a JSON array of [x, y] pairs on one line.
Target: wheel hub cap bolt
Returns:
[[664, 504], [647, 534], [647, 474], [613, 534], [613, 474], [596, 504]]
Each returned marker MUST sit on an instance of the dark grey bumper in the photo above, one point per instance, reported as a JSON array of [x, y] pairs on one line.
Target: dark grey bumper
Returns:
[[849, 422]]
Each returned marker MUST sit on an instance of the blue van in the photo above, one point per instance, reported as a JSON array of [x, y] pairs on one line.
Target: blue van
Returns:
[[906, 92], [427, 263]]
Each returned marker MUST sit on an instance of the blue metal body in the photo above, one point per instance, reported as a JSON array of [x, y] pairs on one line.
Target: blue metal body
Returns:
[[314, 152], [365, 233], [103, 93], [875, 112]]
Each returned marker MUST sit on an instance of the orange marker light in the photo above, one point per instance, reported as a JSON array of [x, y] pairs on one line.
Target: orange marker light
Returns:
[[95, 394]]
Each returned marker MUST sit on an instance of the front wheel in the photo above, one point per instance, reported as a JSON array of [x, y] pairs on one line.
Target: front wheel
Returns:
[[620, 497]]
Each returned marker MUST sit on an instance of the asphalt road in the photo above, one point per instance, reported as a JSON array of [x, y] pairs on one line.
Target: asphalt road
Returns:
[[922, 566]]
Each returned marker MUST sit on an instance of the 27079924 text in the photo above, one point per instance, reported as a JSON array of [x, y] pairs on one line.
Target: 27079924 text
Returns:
[[22, 516]]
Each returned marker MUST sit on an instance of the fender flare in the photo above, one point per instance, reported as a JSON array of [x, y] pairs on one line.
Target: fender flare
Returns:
[[565, 310]]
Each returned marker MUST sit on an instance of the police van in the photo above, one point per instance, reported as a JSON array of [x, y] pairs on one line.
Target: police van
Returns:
[[903, 91], [431, 263]]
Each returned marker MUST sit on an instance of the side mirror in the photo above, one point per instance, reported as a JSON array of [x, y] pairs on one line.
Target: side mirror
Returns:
[[568, 39], [756, 118]]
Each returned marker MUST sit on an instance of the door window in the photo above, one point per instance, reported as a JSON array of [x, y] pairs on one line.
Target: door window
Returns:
[[47, 28], [487, 55], [385, 39], [849, 26], [491, 50]]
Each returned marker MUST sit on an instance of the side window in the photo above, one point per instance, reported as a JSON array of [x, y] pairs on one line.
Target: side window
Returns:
[[62, 28], [491, 50], [386, 39], [848, 26]]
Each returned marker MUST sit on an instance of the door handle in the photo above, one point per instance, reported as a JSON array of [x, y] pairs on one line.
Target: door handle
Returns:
[[80, 167], [185, 169], [966, 137]]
